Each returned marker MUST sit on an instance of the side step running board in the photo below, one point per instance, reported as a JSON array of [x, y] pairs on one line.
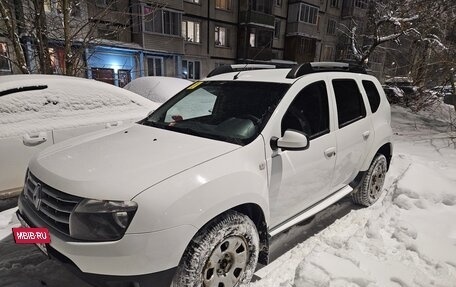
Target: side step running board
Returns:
[[314, 209]]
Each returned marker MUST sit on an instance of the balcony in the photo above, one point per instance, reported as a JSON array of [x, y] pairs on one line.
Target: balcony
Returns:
[[254, 17]]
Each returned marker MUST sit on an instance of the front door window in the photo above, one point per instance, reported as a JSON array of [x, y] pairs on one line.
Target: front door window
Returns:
[[302, 178]]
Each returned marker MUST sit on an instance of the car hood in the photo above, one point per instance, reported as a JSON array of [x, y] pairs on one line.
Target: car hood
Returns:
[[118, 164]]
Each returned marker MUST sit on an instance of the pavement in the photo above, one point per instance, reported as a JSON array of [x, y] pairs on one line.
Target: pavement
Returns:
[[26, 266], [8, 203]]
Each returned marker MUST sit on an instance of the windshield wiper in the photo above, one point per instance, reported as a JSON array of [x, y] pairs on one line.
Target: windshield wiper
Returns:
[[23, 89]]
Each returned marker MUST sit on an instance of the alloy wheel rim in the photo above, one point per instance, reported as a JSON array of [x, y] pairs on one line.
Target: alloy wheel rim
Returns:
[[377, 180], [226, 263]]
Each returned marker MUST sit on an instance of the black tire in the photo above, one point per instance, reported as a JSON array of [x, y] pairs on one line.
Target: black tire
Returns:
[[224, 253], [370, 187]]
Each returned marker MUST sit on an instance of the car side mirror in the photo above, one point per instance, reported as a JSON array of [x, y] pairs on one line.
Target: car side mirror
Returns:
[[291, 140]]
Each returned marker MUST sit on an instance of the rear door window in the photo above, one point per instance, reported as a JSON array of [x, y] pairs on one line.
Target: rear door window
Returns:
[[372, 95], [350, 104]]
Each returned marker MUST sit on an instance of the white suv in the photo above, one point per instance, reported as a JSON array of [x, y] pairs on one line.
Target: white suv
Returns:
[[191, 195]]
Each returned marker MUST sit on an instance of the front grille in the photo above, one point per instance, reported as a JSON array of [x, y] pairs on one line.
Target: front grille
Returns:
[[53, 207]]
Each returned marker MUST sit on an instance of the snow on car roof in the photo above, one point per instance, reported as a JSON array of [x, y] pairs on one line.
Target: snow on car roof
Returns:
[[64, 102], [157, 89]]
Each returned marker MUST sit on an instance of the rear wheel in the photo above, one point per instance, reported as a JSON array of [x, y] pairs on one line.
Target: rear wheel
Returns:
[[370, 188], [224, 253]]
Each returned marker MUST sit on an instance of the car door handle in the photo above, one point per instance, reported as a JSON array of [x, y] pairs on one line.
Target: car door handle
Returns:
[[366, 135], [330, 152], [34, 139], [113, 124]]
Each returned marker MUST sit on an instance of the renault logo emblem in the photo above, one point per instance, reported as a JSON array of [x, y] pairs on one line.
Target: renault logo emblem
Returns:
[[37, 196]]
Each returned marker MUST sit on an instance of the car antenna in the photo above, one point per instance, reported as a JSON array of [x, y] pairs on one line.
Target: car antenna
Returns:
[[254, 58]]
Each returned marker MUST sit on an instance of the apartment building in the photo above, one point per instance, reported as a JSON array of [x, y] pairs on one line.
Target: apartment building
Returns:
[[6, 65], [209, 29], [188, 38]]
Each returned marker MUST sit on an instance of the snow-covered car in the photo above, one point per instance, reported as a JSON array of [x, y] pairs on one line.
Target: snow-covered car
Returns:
[[157, 89], [403, 83], [191, 195], [37, 111]]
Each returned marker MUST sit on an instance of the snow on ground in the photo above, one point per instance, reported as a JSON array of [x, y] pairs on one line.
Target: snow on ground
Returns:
[[408, 238], [8, 220]]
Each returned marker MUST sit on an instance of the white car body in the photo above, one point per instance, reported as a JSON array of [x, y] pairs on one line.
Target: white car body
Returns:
[[156, 88], [65, 107], [180, 182]]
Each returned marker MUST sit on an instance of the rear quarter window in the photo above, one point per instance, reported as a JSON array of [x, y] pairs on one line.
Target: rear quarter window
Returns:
[[372, 95], [350, 105]]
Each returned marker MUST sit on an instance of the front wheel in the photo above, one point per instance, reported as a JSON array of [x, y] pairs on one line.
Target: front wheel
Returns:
[[223, 253], [370, 188]]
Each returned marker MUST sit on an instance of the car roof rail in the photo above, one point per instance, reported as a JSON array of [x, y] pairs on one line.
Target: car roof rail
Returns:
[[316, 67], [239, 68]]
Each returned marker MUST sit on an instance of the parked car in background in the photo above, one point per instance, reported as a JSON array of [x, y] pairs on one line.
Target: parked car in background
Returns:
[[394, 94], [403, 83], [37, 111], [157, 89]]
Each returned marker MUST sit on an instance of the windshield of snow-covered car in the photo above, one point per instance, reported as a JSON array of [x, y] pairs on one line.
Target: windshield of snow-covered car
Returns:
[[232, 111]]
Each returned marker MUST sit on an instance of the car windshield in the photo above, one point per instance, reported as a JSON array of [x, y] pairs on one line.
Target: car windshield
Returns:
[[232, 111]]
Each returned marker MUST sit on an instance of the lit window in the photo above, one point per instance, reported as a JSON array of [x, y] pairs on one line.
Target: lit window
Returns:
[[308, 14], [252, 40], [55, 7], [221, 36], [191, 31], [191, 69], [260, 37], [223, 4], [4, 58], [57, 56], [193, 1]]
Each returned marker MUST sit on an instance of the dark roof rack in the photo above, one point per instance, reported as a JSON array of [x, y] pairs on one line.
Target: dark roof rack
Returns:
[[315, 67], [239, 68], [296, 70]]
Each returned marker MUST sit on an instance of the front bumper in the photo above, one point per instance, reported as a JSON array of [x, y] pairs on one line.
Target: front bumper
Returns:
[[134, 258], [157, 279]]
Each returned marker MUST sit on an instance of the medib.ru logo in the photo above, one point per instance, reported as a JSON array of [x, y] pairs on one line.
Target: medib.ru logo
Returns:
[[23, 235]]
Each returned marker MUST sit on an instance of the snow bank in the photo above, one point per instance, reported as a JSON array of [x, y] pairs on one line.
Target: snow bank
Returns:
[[8, 220], [66, 102]]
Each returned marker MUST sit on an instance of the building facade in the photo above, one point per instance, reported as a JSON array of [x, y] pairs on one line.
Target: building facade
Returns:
[[189, 38]]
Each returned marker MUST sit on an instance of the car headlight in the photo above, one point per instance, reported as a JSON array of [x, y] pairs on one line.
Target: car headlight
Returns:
[[101, 220]]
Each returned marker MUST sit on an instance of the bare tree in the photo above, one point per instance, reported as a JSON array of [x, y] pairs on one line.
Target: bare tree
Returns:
[[11, 30], [70, 25], [385, 21]]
